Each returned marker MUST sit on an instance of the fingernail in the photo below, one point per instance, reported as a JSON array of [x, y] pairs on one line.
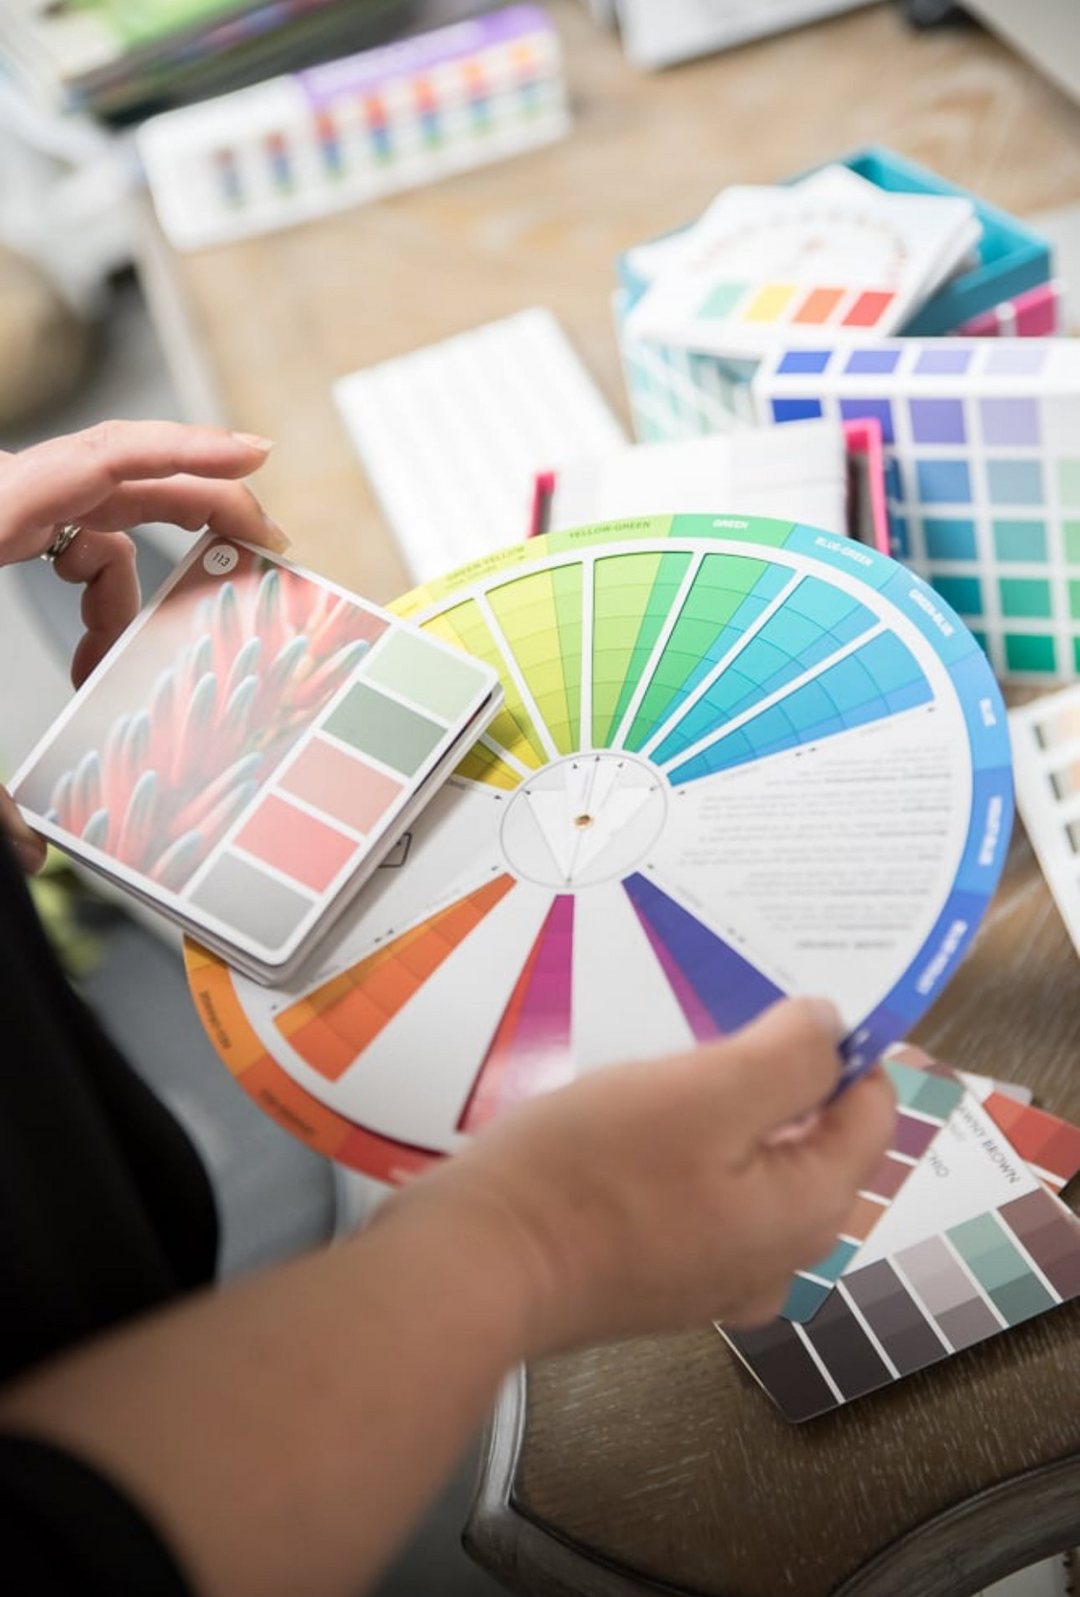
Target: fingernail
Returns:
[[30, 854], [274, 535], [255, 441]]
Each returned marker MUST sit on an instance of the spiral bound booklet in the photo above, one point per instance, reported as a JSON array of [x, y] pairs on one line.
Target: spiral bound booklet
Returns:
[[251, 749]]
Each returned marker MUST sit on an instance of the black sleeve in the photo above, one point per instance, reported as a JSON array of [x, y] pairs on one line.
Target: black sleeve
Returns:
[[74, 1534], [105, 1208]]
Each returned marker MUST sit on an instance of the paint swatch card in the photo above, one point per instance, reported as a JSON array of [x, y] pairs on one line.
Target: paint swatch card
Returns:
[[1046, 757], [982, 473], [927, 1092], [975, 1245], [251, 748], [821, 256], [924, 1103]]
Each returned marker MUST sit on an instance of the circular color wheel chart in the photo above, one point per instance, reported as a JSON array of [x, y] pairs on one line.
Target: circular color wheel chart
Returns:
[[736, 759]]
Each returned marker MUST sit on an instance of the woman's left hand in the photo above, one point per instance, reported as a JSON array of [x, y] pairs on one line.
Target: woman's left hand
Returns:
[[110, 477], [116, 475]]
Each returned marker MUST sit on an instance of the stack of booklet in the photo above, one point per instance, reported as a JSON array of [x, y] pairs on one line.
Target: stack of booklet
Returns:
[[119, 59], [831, 255]]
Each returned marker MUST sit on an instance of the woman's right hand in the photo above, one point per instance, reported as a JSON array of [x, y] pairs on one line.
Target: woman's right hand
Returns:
[[656, 1196]]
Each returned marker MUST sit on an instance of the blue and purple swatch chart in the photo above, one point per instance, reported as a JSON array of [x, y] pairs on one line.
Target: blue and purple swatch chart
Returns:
[[982, 443], [737, 759]]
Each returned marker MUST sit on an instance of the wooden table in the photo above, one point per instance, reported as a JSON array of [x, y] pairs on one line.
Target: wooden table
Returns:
[[260, 330], [658, 1461]]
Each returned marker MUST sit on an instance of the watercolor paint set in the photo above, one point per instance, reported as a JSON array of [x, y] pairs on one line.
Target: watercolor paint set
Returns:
[[974, 1242], [314, 142], [251, 748], [982, 474], [1046, 762]]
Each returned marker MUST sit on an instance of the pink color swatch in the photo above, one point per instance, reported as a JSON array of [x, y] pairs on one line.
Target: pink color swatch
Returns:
[[340, 785], [295, 843]]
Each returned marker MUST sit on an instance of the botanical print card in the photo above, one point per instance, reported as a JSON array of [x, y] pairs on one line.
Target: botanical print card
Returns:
[[250, 749]]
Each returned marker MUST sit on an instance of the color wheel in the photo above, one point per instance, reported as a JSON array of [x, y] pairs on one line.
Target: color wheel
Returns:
[[737, 759]]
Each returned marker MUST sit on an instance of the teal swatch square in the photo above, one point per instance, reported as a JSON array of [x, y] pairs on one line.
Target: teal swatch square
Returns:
[[963, 593], [1030, 652], [1014, 482], [1070, 537], [1074, 599], [1025, 596], [948, 539], [1020, 540]]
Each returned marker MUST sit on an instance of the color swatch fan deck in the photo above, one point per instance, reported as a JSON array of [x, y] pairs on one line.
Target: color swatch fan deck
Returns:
[[736, 759], [974, 1242]]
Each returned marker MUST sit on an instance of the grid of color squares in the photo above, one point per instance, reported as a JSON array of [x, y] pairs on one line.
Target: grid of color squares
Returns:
[[357, 128], [291, 853], [679, 393], [1046, 765], [924, 1103], [982, 443]]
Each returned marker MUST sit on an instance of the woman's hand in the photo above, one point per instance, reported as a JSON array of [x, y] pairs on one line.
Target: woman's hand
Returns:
[[117, 475], [658, 1195], [335, 1391], [110, 477]]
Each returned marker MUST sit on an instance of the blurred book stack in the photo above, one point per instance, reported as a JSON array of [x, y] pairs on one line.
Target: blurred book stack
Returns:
[[120, 60]]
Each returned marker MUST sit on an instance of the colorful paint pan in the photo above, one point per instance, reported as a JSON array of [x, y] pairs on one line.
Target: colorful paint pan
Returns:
[[248, 746], [642, 849]]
